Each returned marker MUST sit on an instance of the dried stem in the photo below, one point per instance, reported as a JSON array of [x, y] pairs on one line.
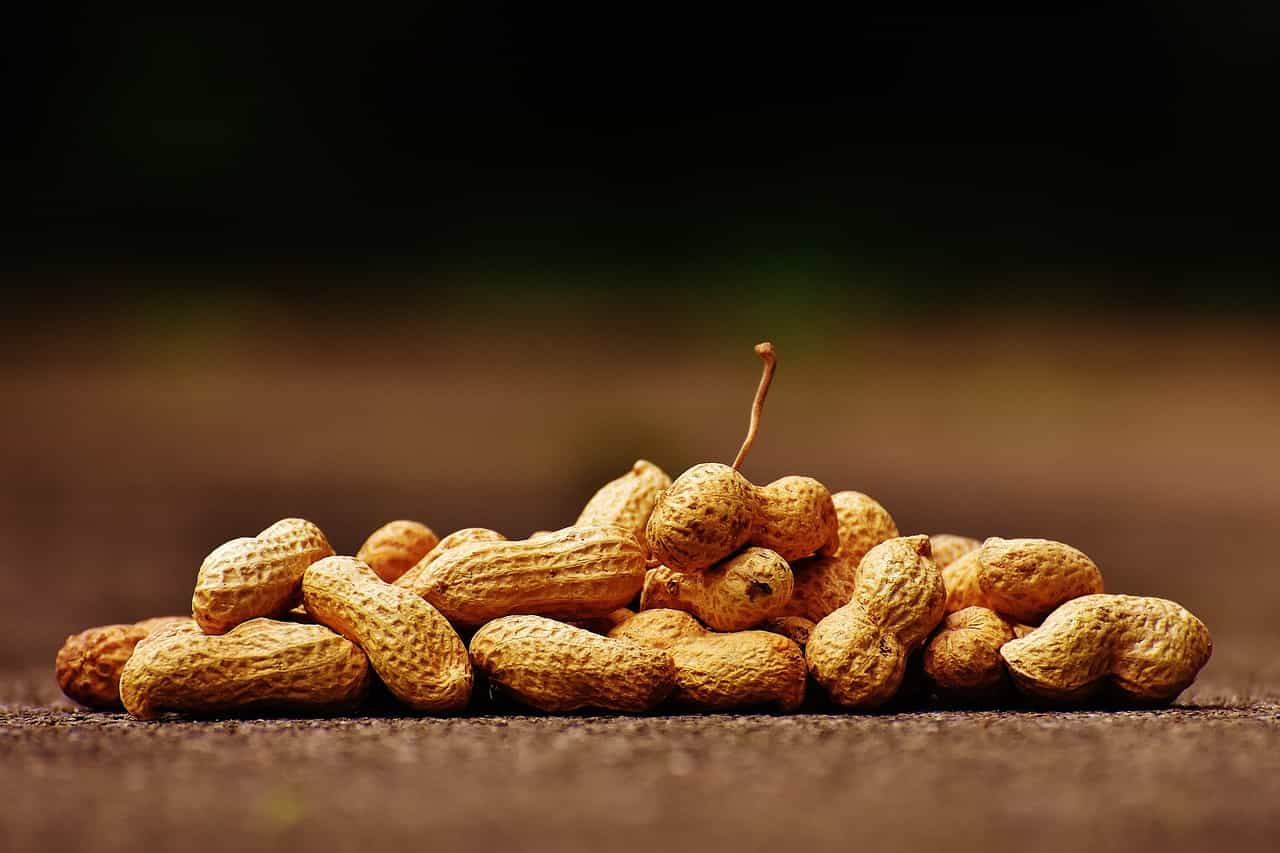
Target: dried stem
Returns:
[[766, 353]]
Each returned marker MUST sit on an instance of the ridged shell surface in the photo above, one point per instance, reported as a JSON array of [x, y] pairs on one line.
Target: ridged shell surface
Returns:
[[735, 594], [627, 501], [396, 547], [1026, 579], [825, 583], [412, 579], [89, 663]]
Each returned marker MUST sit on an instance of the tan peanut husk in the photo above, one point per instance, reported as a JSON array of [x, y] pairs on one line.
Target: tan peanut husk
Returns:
[[576, 574], [735, 594], [413, 648], [858, 653], [396, 547], [260, 665], [1131, 649], [626, 501], [721, 671], [256, 576], [412, 578], [556, 667]]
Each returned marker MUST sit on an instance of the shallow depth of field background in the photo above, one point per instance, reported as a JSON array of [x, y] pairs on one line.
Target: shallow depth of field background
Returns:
[[464, 266]]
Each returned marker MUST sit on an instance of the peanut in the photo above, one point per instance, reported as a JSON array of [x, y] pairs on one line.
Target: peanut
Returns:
[[414, 650], [259, 576], [795, 628], [963, 657], [824, 583], [1021, 579], [88, 664], [712, 511], [627, 501], [576, 574], [858, 652], [948, 547], [258, 665], [720, 672], [556, 667], [1137, 650], [733, 595], [466, 535], [396, 547]]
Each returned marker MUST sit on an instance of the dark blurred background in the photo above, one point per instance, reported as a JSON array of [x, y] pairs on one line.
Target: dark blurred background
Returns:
[[464, 262]]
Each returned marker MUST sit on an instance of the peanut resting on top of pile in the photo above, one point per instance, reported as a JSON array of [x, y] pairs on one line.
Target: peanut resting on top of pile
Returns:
[[706, 593]]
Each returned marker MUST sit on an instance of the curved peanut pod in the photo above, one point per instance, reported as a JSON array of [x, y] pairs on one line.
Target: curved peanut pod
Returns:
[[574, 574], [858, 653], [414, 649], [256, 576], [708, 513], [948, 547], [89, 663], [720, 672], [733, 595], [557, 667], [258, 665], [1140, 650], [1025, 579], [412, 579], [963, 657], [796, 517], [396, 547], [627, 501]]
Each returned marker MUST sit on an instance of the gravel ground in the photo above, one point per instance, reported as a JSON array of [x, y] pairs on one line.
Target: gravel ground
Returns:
[[1204, 775]]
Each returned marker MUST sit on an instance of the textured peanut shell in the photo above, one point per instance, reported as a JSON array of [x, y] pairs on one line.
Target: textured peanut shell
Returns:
[[89, 663], [396, 547], [414, 649], [824, 583], [1025, 579], [796, 518], [960, 577], [576, 574], [413, 577], [963, 657], [720, 672], [795, 628], [627, 501], [557, 667], [1132, 649], [712, 511], [259, 665], [858, 652], [256, 576], [733, 595], [155, 623], [948, 547]]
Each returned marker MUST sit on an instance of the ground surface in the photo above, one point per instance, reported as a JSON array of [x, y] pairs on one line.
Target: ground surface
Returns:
[[1201, 776], [1154, 450]]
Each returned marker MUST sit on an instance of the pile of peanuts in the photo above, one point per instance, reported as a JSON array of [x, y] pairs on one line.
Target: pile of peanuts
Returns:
[[708, 593]]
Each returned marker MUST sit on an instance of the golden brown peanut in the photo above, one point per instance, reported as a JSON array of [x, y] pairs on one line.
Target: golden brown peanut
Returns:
[[963, 657], [824, 583], [556, 667], [795, 628], [960, 577], [155, 623], [712, 511], [1136, 650], [733, 595], [576, 574], [396, 547], [627, 501], [414, 649], [1026, 579], [258, 665], [465, 536], [858, 653], [256, 576], [89, 663], [948, 547], [720, 672]]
